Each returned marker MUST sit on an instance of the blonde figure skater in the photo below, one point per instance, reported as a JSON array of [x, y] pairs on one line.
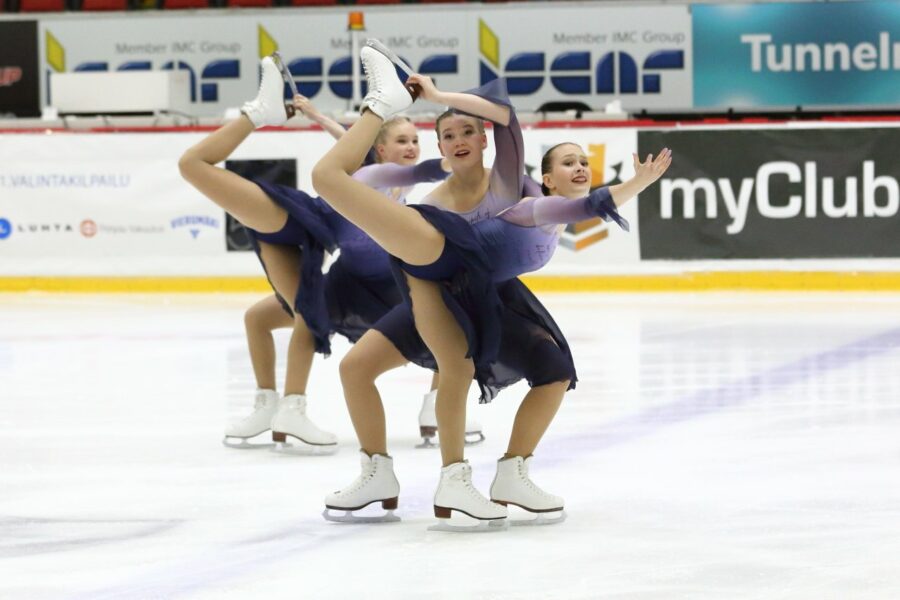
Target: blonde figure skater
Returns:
[[291, 231]]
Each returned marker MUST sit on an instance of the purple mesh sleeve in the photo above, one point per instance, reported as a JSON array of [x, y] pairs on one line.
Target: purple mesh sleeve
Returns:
[[559, 210], [508, 170], [388, 175]]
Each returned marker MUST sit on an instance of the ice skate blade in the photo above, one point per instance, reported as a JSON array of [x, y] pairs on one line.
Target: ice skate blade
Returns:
[[427, 443], [239, 443], [540, 519], [349, 517], [390, 54], [480, 527], [289, 449], [285, 73]]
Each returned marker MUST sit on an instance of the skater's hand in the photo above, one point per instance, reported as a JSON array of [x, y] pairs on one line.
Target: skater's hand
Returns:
[[304, 105], [652, 169], [428, 91]]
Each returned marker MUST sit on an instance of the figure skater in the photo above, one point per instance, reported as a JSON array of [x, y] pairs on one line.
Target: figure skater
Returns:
[[291, 231], [449, 271]]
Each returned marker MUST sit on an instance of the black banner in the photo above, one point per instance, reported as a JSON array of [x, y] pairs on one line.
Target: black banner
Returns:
[[280, 171], [805, 193], [19, 77]]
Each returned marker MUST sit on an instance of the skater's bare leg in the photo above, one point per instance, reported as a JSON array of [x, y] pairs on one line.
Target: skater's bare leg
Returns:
[[534, 417], [447, 342], [283, 266], [370, 357], [260, 321], [435, 380], [242, 199]]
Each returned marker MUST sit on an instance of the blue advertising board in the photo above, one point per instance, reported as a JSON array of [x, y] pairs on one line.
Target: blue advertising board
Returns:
[[797, 54]]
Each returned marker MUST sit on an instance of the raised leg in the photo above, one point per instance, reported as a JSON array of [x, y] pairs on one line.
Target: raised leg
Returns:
[[399, 229], [242, 199]]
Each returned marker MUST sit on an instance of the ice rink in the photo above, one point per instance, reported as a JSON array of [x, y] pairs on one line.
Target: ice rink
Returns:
[[717, 446]]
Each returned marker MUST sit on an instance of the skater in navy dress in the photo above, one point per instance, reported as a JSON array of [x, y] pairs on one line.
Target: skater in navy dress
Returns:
[[452, 271], [291, 231]]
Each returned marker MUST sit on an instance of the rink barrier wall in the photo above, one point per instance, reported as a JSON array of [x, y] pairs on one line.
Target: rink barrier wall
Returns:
[[746, 281], [118, 217]]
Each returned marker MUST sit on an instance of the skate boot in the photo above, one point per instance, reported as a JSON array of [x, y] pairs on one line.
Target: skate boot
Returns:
[[268, 108], [456, 493], [291, 422], [376, 483], [428, 424], [387, 96], [513, 486], [258, 422]]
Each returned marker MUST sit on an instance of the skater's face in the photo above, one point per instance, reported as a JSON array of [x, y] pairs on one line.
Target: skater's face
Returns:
[[461, 140], [566, 172], [400, 145]]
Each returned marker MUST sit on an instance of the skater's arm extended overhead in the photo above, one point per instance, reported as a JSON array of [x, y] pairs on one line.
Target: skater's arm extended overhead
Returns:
[[385, 175]]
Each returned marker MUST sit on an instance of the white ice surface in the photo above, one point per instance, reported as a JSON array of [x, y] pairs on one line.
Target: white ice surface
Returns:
[[717, 446]]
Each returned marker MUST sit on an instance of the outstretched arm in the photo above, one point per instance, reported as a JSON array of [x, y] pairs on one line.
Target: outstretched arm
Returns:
[[645, 173], [461, 101], [388, 175], [559, 210], [602, 202], [304, 105]]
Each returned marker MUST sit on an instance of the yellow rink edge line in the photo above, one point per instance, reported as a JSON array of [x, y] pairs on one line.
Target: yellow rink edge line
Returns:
[[878, 281]]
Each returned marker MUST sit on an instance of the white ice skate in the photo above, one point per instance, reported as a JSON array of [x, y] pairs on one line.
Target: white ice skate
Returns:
[[237, 435], [291, 421], [269, 107], [456, 493], [387, 95], [376, 44], [376, 483], [513, 486], [428, 424]]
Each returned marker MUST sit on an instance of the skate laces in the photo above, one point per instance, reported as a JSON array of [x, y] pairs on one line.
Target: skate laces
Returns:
[[368, 473], [465, 477], [259, 403], [523, 473], [373, 80]]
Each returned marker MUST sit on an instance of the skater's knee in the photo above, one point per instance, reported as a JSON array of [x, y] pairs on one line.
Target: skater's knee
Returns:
[[187, 164], [322, 175], [456, 370], [356, 369]]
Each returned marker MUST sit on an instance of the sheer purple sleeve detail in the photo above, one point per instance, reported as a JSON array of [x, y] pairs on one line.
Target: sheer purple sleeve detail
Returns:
[[531, 188], [391, 175], [508, 170], [559, 210]]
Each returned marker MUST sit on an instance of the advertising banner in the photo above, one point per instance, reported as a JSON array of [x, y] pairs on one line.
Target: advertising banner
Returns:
[[589, 54], [19, 75], [585, 54], [796, 54], [765, 193], [116, 204]]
